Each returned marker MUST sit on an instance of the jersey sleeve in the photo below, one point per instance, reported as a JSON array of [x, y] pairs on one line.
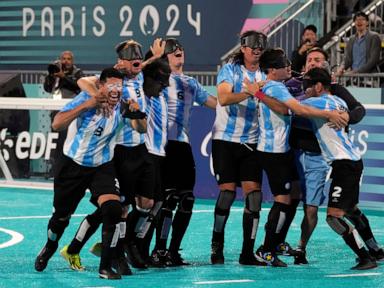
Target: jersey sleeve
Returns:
[[201, 95], [315, 102], [279, 92], [226, 74], [78, 100]]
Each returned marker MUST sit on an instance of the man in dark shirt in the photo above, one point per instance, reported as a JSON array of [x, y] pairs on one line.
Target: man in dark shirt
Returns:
[[62, 76], [308, 41]]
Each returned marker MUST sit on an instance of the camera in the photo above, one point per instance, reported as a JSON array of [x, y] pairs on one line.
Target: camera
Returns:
[[54, 67]]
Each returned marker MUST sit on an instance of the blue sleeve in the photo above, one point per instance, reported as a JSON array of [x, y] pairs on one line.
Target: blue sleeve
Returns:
[[201, 95], [315, 102], [226, 74], [279, 92], [78, 100]]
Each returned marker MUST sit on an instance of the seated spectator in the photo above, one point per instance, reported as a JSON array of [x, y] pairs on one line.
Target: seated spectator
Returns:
[[362, 52], [308, 41]]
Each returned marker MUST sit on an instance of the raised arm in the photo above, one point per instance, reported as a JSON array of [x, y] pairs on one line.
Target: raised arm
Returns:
[[63, 119]]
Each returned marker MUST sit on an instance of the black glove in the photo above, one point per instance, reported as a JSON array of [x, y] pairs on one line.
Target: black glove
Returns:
[[127, 113]]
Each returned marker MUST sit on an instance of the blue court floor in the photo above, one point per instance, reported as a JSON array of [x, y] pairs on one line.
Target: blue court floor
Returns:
[[24, 214]]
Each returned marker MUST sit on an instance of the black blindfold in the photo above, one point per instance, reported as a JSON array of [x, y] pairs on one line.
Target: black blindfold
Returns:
[[254, 41]]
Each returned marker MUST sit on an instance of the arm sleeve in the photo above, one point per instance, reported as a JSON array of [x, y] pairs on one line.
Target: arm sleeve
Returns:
[[356, 109], [49, 81], [70, 81]]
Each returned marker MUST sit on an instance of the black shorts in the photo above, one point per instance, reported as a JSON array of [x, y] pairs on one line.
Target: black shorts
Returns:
[[71, 181], [135, 172], [345, 184], [235, 162], [158, 171], [279, 168], [179, 166]]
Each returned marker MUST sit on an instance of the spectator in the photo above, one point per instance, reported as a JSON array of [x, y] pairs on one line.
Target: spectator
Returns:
[[62, 76], [308, 41], [61, 81], [362, 52]]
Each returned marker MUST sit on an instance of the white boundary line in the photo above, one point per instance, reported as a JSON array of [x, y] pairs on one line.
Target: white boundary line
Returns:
[[352, 275], [16, 237], [223, 281]]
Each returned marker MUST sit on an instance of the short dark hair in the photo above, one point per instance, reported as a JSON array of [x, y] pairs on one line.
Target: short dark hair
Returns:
[[110, 73], [320, 50], [321, 75], [360, 14], [310, 27], [268, 57]]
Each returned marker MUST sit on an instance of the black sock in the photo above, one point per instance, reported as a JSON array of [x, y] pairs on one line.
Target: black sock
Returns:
[[290, 215], [111, 216], [276, 219], [250, 225], [163, 228], [87, 228], [351, 241], [361, 223], [179, 227]]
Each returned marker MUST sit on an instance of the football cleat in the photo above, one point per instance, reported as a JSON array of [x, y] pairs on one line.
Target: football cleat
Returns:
[[73, 260]]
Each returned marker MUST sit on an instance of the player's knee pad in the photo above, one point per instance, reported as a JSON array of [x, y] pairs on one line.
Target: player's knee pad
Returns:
[[224, 202], [171, 200], [338, 225], [57, 225], [187, 199], [95, 218], [357, 218], [111, 211], [253, 202]]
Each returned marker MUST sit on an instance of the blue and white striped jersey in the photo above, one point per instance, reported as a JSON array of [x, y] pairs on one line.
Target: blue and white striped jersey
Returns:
[[132, 89], [91, 137], [182, 92], [237, 122], [334, 144], [274, 128], [156, 136]]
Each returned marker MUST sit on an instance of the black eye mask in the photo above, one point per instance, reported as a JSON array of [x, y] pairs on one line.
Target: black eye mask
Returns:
[[254, 41], [132, 52], [171, 45], [280, 62]]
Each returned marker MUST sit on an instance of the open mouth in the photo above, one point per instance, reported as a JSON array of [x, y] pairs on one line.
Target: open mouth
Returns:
[[179, 54], [136, 64]]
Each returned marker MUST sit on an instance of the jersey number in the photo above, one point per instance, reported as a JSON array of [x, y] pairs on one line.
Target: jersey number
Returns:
[[337, 192], [99, 131]]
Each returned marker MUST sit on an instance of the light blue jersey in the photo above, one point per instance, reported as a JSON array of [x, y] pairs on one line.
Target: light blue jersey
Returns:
[[274, 128], [237, 122], [91, 137], [156, 136], [182, 92], [132, 89], [334, 144]]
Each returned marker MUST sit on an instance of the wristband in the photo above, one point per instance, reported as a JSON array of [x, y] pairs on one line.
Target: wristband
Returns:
[[260, 95]]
